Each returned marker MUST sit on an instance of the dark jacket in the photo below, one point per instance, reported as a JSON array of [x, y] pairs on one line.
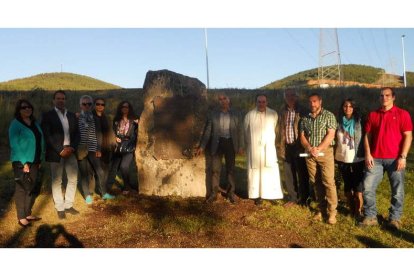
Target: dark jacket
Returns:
[[300, 112], [129, 140], [212, 131], [54, 135]]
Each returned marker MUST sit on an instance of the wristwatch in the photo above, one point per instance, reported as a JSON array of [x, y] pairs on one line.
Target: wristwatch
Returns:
[[402, 156]]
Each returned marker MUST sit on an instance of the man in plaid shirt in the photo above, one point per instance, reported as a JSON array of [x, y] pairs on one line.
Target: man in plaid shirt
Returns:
[[317, 132], [288, 148]]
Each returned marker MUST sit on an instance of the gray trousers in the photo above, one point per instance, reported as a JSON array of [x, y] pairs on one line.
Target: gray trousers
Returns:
[[70, 165]]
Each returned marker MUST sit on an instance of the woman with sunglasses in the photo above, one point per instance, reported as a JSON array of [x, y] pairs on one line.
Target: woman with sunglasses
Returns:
[[91, 141], [27, 152], [125, 127]]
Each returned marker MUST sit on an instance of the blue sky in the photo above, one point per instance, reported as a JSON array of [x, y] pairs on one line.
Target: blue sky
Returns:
[[238, 57]]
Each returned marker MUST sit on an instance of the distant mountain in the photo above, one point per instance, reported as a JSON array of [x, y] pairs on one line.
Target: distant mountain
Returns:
[[352, 75], [55, 81]]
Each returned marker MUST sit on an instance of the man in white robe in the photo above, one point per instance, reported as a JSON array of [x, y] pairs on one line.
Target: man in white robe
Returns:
[[262, 167]]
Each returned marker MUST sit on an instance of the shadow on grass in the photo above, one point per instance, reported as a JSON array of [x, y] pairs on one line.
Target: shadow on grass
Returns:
[[47, 235], [6, 187], [371, 243], [407, 236], [182, 216]]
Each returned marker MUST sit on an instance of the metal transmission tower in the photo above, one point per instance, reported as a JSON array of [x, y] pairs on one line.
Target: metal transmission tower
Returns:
[[329, 71]]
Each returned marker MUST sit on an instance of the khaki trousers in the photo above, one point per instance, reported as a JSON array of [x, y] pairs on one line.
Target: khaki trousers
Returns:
[[322, 178]]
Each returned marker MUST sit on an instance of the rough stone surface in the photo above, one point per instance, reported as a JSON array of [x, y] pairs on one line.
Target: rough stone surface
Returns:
[[170, 127]]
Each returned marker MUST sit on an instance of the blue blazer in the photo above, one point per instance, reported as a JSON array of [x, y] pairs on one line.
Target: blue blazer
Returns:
[[23, 142]]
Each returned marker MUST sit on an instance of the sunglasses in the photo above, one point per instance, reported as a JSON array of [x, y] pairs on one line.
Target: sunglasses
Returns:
[[24, 107], [125, 106], [99, 104], [87, 104]]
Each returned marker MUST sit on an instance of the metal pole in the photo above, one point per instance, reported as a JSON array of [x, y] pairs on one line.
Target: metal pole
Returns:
[[405, 76], [208, 77]]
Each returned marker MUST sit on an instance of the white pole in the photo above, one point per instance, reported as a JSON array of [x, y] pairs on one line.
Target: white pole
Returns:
[[405, 76], [208, 78]]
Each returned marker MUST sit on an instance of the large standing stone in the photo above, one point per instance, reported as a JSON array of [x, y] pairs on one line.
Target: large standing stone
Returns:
[[170, 126]]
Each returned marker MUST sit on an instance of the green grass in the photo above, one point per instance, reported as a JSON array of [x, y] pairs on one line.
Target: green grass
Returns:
[[55, 81]]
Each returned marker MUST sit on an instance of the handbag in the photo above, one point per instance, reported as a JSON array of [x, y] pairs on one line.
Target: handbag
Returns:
[[82, 151]]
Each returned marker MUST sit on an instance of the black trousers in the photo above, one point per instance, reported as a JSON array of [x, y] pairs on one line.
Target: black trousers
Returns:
[[120, 161], [85, 165], [353, 176], [296, 175], [226, 149], [26, 192]]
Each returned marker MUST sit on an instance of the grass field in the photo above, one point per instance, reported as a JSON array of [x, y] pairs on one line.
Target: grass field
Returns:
[[171, 222]]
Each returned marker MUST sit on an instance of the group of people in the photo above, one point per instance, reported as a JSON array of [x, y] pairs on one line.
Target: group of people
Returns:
[[310, 140], [78, 143]]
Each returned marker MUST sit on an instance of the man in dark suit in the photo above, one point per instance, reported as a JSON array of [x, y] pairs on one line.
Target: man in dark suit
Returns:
[[224, 131], [61, 133]]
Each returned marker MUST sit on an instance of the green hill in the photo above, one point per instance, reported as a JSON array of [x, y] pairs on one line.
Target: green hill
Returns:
[[350, 73], [55, 81]]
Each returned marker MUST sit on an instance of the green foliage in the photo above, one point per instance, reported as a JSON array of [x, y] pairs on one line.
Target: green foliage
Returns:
[[55, 81], [350, 72]]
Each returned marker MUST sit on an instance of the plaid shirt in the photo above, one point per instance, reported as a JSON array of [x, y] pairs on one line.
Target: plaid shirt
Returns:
[[290, 119], [316, 128]]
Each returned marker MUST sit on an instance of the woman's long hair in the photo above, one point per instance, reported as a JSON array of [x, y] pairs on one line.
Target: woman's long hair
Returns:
[[118, 114], [356, 113], [17, 109]]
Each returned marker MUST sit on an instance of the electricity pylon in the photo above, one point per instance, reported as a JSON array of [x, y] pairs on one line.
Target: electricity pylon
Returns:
[[329, 71]]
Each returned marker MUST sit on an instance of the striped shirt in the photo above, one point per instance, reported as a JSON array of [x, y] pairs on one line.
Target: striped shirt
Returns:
[[290, 120], [87, 131], [316, 128]]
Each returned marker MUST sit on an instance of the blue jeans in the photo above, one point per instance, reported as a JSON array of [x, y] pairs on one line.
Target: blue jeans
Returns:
[[371, 180]]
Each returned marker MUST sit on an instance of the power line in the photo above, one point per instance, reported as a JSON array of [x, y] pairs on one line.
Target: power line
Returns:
[[301, 47]]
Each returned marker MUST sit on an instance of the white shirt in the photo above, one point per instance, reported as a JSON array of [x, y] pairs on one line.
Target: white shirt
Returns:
[[65, 125], [343, 152], [224, 125]]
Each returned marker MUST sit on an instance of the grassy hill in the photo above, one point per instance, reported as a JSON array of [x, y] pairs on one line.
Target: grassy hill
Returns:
[[55, 81], [352, 75]]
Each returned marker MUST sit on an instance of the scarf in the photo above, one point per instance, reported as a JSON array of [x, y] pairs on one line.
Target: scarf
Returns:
[[348, 127]]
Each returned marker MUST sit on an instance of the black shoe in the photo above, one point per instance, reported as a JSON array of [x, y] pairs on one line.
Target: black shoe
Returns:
[[61, 214], [211, 198], [258, 201], [72, 211]]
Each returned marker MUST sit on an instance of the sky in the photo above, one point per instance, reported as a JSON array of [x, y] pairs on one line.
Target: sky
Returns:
[[237, 57]]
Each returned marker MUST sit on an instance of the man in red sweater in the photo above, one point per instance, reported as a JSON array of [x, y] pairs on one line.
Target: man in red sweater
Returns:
[[387, 142]]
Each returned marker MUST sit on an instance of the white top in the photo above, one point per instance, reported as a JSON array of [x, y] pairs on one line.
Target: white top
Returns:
[[224, 125], [343, 152], [65, 125]]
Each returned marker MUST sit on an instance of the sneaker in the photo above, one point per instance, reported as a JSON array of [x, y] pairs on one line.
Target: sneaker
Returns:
[[368, 221], [317, 216], [108, 196], [61, 214], [88, 200], [332, 219], [72, 211], [394, 224]]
